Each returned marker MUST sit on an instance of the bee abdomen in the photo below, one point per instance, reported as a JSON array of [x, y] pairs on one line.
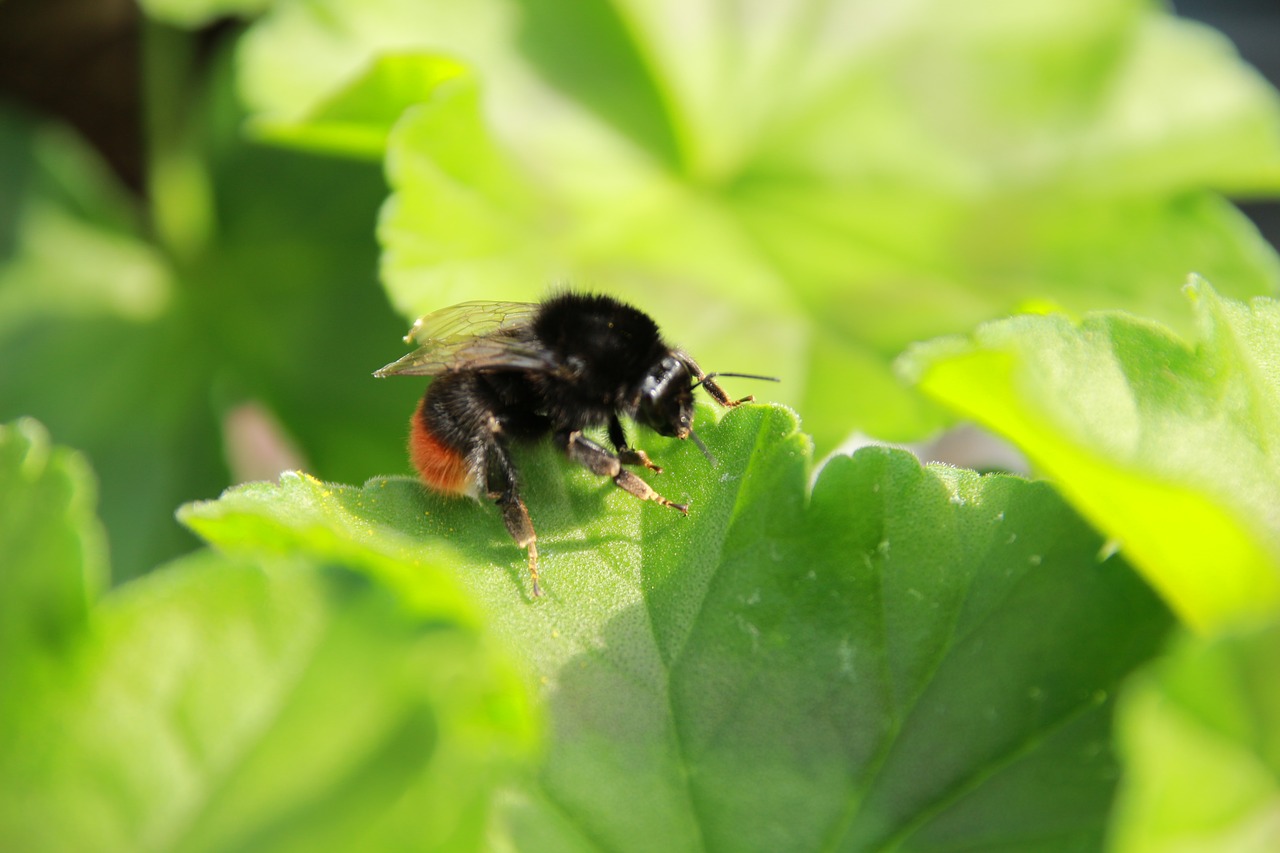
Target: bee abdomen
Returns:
[[441, 466]]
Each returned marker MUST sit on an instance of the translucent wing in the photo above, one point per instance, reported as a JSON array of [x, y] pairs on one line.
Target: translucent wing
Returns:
[[469, 320], [475, 335]]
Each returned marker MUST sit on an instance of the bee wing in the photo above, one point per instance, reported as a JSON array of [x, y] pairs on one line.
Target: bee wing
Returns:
[[469, 320], [477, 335]]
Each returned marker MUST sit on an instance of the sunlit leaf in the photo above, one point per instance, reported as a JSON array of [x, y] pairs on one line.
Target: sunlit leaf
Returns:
[[357, 119], [1167, 445]]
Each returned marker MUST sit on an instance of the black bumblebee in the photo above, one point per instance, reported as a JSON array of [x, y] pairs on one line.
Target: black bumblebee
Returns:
[[514, 371]]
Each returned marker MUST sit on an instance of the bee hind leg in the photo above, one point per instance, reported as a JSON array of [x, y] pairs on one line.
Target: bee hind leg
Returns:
[[516, 516], [504, 491], [601, 462]]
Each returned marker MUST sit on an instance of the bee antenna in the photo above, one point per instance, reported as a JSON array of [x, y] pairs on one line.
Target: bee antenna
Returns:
[[693, 436], [711, 376]]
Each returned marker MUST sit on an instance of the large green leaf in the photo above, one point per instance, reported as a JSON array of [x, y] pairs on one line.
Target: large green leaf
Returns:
[[1169, 446], [908, 656], [1198, 734], [230, 704], [807, 187]]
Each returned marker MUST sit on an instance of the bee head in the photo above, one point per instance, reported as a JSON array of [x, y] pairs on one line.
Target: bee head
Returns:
[[666, 399]]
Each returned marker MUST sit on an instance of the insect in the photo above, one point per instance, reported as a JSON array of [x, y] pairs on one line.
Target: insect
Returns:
[[505, 372]]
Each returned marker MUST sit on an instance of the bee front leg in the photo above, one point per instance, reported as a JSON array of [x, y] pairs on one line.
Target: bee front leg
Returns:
[[601, 462], [628, 455], [504, 490]]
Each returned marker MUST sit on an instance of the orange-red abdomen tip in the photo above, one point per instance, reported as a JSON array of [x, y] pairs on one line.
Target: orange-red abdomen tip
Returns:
[[440, 466]]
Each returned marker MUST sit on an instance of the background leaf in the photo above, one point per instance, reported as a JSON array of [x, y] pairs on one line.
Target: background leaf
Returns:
[[53, 557], [1167, 445], [194, 13], [811, 187], [1198, 735], [850, 670]]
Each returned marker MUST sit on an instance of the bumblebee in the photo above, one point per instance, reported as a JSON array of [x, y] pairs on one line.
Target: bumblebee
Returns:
[[507, 372]]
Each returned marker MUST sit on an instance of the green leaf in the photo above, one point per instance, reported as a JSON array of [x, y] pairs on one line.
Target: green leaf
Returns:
[[907, 656], [1166, 445], [220, 704], [52, 555], [1197, 734], [804, 189]]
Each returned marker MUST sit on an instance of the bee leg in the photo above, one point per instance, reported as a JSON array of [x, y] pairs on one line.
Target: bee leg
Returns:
[[516, 516], [628, 455], [504, 491], [601, 462]]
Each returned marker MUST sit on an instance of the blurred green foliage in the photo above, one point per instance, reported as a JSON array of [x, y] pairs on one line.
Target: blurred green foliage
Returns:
[[135, 348], [1199, 735], [872, 655], [224, 704]]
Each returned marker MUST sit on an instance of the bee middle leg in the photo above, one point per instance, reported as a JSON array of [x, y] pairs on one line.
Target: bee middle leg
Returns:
[[601, 462]]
